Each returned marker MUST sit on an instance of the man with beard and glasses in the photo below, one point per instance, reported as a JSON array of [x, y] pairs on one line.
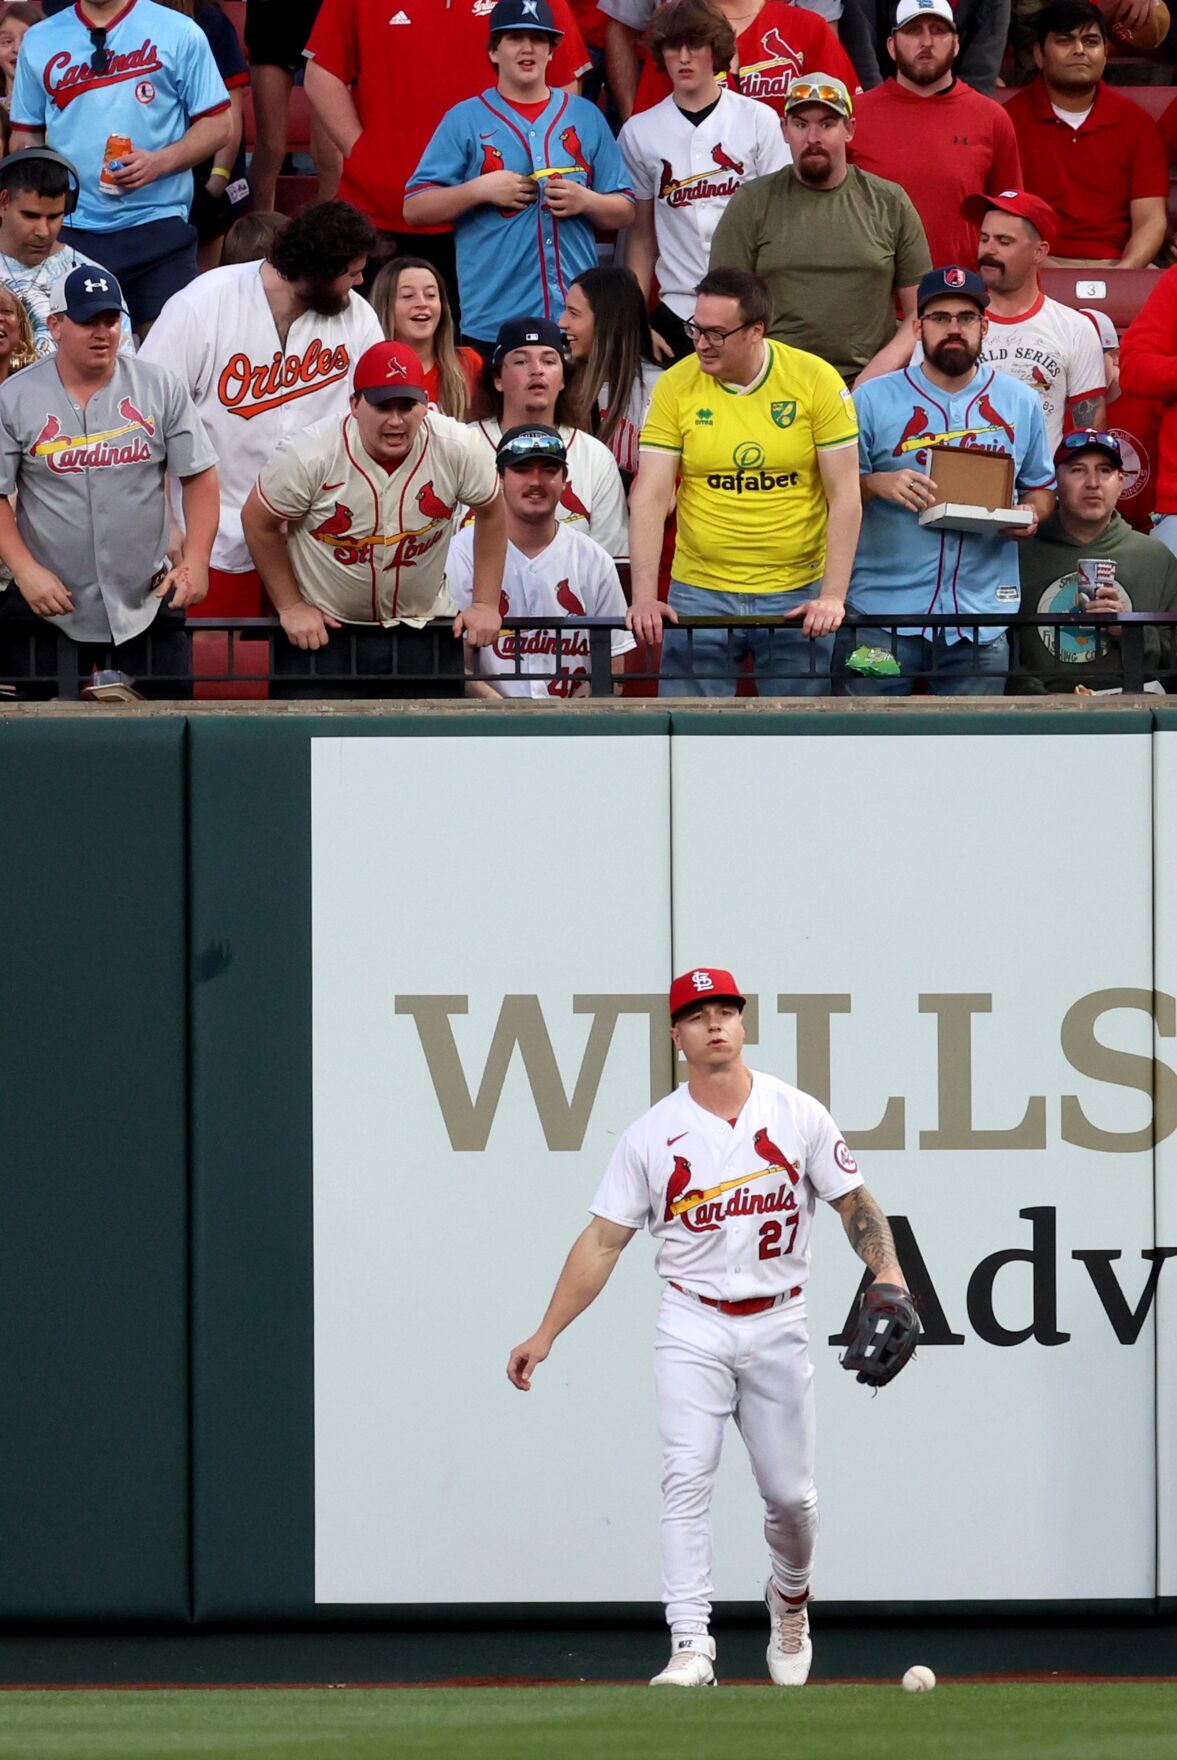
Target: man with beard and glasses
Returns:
[[1052, 349], [929, 131], [1093, 154], [837, 246], [266, 349], [903, 568]]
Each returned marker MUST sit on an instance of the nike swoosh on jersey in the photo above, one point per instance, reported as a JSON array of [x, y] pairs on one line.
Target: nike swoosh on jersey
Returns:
[[327, 487], [677, 1139]]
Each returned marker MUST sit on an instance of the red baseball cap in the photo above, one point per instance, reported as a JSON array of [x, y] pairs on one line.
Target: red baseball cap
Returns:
[[1040, 214], [703, 984], [390, 370]]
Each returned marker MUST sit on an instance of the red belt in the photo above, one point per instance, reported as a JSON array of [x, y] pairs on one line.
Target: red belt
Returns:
[[750, 1305]]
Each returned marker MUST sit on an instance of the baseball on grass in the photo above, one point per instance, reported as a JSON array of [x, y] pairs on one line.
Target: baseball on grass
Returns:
[[919, 1680]]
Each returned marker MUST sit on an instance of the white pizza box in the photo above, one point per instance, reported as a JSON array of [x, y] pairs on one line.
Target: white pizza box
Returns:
[[959, 516]]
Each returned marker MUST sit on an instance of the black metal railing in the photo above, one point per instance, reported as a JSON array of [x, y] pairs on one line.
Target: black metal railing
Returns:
[[41, 661]]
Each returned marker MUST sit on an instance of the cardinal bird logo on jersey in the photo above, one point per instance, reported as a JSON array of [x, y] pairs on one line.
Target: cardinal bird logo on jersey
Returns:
[[567, 598], [50, 432], [504, 604], [1041, 382], [666, 181], [916, 429], [492, 158], [570, 501], [130, 414], [994, 419], [725, 161], [678, 1187], [432, 506], [570, 141], [768, 1151], [776, 45], [335, 530]]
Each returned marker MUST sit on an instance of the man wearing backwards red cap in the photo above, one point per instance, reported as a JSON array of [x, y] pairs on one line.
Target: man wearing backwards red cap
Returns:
[[725, 1172], [1053, 349], [351, 521]]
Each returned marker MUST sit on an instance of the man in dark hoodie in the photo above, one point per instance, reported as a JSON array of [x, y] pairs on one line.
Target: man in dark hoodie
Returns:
[[1085, 524]]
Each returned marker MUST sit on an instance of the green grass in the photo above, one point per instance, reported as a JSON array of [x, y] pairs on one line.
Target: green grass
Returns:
[[972, 1722]]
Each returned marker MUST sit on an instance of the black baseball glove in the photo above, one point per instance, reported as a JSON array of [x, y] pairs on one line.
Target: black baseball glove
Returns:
[[886, 1333]]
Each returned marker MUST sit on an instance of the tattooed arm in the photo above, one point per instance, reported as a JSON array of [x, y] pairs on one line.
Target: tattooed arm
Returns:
[[869, 1233]]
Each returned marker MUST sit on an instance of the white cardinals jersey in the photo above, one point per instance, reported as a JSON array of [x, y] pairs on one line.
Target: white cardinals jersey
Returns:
[[252, 390], [369, 545], [730, 1205], [1050, 348], [594, 497], [690, 172], [573, 577]]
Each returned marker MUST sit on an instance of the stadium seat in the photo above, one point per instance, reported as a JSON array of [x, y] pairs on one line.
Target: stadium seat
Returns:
[[1118, 292]]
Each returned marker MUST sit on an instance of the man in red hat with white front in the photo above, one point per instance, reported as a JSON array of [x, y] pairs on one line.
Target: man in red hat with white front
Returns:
[[725, 1173], [350, 524], [1053, 349]]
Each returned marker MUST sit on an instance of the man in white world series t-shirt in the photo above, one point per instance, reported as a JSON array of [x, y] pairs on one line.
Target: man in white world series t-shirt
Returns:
[[725, 1172], [1047, 345]]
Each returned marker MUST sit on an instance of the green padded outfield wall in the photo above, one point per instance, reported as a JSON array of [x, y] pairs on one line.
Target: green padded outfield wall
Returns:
[[94, 1506]]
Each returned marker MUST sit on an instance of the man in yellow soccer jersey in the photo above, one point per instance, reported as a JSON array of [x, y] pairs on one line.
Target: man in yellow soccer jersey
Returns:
[[762, 439]]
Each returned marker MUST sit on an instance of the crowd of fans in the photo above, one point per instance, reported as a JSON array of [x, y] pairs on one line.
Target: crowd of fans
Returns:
[[641, 312]]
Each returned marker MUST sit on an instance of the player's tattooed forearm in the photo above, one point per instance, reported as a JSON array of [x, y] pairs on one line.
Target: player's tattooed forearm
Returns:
[[867, 1229]]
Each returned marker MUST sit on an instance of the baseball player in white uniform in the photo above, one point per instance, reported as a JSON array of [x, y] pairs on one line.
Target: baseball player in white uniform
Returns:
[[725, 1172], [552, 570]]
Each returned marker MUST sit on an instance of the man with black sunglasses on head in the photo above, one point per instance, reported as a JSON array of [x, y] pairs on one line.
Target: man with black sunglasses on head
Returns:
[[108, 69]]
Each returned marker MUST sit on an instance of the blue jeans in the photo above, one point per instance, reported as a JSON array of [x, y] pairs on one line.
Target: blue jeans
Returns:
[[782, 658], [958, 669]]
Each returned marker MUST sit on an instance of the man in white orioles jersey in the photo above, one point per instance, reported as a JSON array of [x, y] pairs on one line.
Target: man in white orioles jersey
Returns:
[[552, 570], [725, 1173]]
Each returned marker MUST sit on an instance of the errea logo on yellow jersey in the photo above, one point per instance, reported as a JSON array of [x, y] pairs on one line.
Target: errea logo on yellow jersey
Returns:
[[703, 418]]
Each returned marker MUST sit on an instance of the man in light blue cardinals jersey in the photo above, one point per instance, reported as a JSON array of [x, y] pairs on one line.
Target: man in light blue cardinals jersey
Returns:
[[132, 68], [524, 175], [904, 568]]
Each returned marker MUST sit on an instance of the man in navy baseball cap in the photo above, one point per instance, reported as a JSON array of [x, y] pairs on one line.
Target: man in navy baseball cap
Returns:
[[535, 16], [528, 333], [952, 281], [86, 292]]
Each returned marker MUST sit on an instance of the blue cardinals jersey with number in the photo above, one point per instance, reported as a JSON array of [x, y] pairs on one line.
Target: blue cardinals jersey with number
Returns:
[[160, 77], [902, 566], [513, 264]]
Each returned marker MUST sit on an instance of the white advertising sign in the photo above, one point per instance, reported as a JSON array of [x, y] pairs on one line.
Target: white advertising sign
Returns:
[[937, 946]]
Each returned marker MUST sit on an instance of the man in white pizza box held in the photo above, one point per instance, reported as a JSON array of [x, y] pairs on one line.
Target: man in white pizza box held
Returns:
[[725, 1172]]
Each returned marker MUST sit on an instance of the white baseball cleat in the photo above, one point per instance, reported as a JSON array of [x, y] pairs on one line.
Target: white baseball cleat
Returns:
[[790, 1648], [690, 1663]]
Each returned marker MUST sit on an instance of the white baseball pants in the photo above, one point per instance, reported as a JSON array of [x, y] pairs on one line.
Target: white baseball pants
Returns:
[[709, 1367]]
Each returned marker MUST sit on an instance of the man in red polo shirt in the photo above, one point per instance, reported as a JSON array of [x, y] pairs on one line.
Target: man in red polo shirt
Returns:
[[1095, 156], [381, 77], [932, 133]]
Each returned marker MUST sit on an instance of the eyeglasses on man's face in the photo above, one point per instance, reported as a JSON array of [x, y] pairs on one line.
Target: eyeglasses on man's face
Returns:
[[965, 320], [709, 334]]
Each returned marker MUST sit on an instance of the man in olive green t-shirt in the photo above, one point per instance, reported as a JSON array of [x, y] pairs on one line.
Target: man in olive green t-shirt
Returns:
[[837, 246]]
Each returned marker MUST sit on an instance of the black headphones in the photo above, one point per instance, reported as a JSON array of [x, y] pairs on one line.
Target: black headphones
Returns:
[[27, 154]]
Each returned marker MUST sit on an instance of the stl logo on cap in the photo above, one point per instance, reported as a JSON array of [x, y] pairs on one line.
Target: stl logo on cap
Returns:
[[702, 980], [954, 277]]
